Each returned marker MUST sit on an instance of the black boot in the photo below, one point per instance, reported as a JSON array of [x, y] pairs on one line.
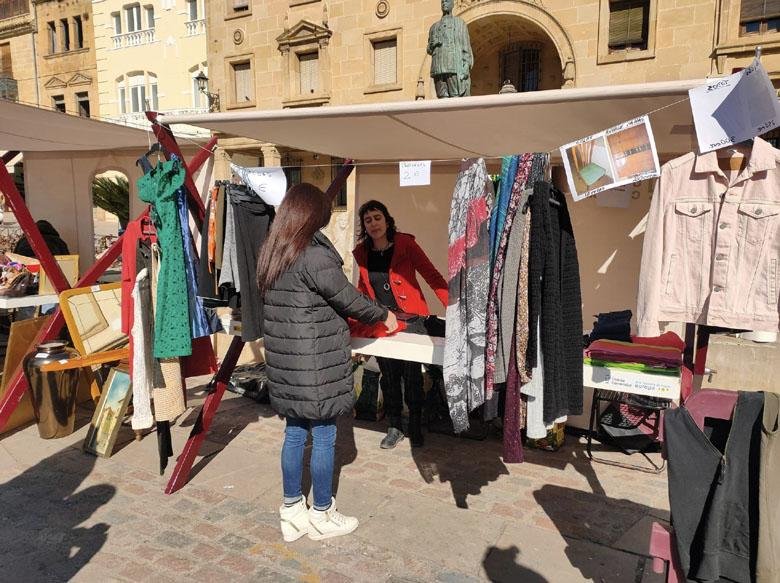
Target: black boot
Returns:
[[415, 429]]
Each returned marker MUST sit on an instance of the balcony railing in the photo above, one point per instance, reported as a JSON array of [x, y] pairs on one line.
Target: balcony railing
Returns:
[[11, 8], [9, 88], [134, 39], [138, 118], [196, 27]]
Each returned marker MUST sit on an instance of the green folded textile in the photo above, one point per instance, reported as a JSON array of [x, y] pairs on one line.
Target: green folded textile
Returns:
[[635, 366], [591, 173]]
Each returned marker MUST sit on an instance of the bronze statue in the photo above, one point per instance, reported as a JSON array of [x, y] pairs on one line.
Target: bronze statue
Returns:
[[451, 56]]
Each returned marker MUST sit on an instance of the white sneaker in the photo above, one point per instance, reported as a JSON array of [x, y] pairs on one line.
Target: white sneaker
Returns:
[[329, 523], [294, 520]]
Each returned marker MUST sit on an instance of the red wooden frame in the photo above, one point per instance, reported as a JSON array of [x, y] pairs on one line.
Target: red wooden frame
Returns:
[[18, 383]]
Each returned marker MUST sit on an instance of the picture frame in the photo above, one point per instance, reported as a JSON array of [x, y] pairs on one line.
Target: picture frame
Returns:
[[70, 268], [110, 410]]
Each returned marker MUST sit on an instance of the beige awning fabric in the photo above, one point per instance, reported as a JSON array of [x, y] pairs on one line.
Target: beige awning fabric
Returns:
[[32, 129], [491, 125]]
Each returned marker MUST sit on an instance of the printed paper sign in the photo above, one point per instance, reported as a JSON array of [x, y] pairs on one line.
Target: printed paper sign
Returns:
[[416, 173], [269, 183], [733, 109], [615, 157]]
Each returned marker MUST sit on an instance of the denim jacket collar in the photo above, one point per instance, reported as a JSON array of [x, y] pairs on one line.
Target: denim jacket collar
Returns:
[[763, 157]]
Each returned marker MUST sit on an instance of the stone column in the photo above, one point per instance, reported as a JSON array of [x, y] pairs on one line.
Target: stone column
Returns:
[[271, 155]]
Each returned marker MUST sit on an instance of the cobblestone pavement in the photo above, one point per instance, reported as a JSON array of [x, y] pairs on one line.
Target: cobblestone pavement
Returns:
[[451, 512]]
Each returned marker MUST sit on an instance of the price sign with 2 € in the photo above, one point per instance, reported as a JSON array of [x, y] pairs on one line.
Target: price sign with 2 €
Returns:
[[415, 173]]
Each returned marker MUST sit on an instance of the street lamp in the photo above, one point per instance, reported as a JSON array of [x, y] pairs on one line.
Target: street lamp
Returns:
[[203, 87]]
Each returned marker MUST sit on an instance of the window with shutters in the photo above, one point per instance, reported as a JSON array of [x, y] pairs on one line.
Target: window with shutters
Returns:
[[383, 51], [58, 102], [82, 103], [133, 17], [243, 83], [192, 9], [78, 29], [627, 30], [759, 17], [628, 24], [65, 31], [385, 64], [115, 16], [137, 83], [6, 68], [309, 73], [52, 28]]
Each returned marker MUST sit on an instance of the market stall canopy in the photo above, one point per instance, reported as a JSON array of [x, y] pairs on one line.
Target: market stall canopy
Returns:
[[490, 125], [26, 128]]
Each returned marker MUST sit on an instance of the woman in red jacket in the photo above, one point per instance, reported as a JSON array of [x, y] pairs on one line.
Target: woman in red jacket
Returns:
[[388, 261]]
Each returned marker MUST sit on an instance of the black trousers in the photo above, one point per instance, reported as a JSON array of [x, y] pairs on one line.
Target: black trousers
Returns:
[[395, 374]]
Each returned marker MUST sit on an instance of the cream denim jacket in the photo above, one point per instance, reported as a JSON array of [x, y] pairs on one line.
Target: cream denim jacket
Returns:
[[712, 246]]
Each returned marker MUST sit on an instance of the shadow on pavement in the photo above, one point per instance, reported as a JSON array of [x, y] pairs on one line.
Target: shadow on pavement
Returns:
[[41, 513], [467, 475], [501, 567], [232, 417], [586, 519]]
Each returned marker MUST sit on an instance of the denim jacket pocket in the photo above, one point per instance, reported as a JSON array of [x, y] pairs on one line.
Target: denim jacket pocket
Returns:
[[693, 218], [755, 218]]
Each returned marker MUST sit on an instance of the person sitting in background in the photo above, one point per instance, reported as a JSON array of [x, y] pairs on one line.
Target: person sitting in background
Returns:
[[50, 235]]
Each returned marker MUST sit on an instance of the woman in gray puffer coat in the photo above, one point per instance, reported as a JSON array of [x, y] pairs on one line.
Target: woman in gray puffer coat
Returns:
[[308, 357]]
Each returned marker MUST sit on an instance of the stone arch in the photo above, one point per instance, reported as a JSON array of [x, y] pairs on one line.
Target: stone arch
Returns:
[[472, 11]]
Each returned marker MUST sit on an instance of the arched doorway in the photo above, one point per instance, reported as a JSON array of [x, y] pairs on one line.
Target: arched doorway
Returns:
[[508, 47], [518, 40], [110, 209]]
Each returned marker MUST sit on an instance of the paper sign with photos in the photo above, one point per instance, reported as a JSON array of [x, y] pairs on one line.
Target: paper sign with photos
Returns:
[[733, 109], [615, 157]]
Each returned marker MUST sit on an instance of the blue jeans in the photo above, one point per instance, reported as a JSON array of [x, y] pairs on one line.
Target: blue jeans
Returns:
[[324, 437]]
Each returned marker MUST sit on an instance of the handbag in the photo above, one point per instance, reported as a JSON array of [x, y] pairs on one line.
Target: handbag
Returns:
[[14, 281]]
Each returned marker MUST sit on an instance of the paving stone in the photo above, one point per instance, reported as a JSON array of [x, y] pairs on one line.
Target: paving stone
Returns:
[[175, 540], [176, 563], [235, 542], [452, 512]]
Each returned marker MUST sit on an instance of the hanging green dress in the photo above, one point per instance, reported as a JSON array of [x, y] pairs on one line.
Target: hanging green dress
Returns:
[[172, 328]]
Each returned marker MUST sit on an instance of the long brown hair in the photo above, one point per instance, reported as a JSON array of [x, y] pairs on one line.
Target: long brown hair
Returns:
[[304, 210]]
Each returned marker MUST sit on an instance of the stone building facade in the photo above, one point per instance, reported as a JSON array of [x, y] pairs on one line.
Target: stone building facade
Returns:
[[65, 49], [148, 56], [271, 54], [17, 51]]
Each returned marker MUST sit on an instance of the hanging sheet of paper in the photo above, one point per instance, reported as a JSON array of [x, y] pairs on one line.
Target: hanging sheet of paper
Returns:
[[621, 155], [415, 173], [269, 183], [735, 108]]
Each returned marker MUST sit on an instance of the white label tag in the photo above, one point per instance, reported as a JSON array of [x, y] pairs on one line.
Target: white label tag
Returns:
[[269, 183], [732, 109], [415, 173], [41, 355], [95, 288]]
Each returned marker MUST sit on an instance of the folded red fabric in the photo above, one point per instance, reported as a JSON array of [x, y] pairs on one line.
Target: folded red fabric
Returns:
[[378, 330], [617, 351], [666, 339]]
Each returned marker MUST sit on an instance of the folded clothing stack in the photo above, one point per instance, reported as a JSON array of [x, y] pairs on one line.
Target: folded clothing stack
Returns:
[[663, 354]]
